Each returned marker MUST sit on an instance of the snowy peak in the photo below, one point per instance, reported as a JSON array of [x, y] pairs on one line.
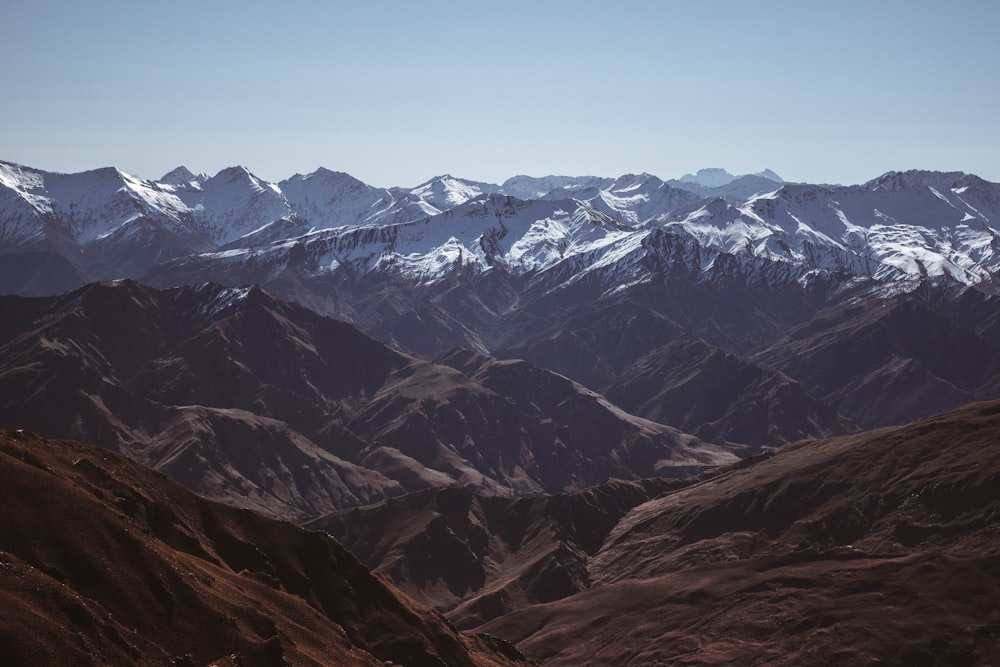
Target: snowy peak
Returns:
[[21, 178], [110, 224], [635, 182], [897, 181], [711, 177], [179, 176], [445, 192], [324, 176], [531, 187], [235, 204], [326, 199], [237, 174]]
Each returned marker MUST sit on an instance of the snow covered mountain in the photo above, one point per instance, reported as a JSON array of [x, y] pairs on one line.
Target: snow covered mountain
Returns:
[[894, 228], [754, 268], [552, 230]]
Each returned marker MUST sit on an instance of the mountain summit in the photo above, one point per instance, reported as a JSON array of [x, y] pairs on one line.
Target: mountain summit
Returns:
[[764, 271], [714, 177]]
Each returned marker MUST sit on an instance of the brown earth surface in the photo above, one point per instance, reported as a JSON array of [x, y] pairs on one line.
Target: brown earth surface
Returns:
[[479, 557], [880, 547], [103, 561], [265, 404]]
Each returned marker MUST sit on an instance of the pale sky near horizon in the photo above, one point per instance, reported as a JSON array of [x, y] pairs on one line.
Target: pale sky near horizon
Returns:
[[397, 92]]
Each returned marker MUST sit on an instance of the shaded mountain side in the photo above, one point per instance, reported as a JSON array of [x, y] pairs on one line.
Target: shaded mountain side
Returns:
[[826, 356], [929, 485], [659, 370], [879, 546], [461, 310], [720, 397], [40, 272], [479, 557], [595, 343], [587, 419], [897, 359], [68, 364], [228, 455], [105, 561], [256, 401], [923, 609]]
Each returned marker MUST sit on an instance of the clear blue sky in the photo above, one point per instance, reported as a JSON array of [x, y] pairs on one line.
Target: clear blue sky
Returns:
[[397, 92]]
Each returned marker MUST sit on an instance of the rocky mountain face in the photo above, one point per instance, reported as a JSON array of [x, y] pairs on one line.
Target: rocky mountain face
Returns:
[[878, 546], [105, 561], [476, 557], [262, 403], [874, 546], [775, 373], [496, 396], [722, 280]]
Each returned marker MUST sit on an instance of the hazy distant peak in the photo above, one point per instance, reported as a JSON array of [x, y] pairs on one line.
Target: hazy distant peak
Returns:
[[770, 175], [710, 177], [536, 187], [715, 177], [322, 174]]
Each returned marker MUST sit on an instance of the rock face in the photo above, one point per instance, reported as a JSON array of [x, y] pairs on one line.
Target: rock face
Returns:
[[779, 372], [267, 405], [897, 359], [551, 270], [104, 560], [479, 557], [876, 546], [653, 367], [540, 337]]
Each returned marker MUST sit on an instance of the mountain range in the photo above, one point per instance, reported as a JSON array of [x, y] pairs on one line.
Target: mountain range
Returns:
[[878, 547], [104, 561], [717, 419], [772, 281], [252, 400], [551, 231]]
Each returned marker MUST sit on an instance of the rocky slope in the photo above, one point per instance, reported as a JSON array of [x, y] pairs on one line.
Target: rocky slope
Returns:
[[263, 403], [479, 557], [879, 546], [106, 562], [527, 268]]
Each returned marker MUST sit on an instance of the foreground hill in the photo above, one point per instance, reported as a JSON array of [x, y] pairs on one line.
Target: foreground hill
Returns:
[[477, 558], [103, 561], [876, 547], [265, 404]]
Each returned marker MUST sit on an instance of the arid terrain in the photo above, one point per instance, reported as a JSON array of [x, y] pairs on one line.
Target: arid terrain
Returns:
[[715, 420], [248, 399], [876, 547], [104, 561]]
